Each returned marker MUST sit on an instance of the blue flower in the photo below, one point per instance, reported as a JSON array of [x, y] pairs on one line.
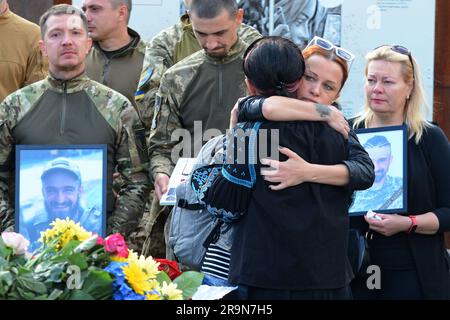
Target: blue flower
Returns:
[[121, 289]]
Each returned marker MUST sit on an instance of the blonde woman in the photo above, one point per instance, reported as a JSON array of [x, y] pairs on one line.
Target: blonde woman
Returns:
[[409, 249]]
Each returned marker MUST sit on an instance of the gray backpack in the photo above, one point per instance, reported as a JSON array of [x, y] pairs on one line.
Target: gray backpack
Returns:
[[192, 227]]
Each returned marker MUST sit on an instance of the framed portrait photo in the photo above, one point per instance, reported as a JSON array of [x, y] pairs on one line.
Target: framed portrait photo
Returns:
[[387, 148], [59, 181]]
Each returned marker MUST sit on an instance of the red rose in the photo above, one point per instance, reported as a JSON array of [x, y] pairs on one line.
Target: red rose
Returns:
[[170, 267], [115, 244]]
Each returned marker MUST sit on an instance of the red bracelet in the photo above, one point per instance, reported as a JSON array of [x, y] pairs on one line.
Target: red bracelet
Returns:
[[413, 226]]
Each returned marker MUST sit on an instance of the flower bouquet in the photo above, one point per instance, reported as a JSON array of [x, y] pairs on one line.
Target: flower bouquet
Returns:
[[72, 263]]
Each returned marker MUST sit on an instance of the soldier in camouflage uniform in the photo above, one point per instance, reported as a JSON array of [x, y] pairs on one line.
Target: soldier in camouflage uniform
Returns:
[[202, 87], [117, 60], [387, 191], [167, 48], [69, 108]]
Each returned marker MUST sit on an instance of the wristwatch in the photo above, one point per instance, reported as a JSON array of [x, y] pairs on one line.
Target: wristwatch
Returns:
[[413, 226]]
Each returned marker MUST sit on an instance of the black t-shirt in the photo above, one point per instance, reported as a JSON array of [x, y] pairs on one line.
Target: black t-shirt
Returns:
[[110, 54]]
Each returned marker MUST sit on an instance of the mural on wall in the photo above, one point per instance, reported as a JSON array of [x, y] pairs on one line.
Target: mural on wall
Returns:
[[356, 25], [298, 20]]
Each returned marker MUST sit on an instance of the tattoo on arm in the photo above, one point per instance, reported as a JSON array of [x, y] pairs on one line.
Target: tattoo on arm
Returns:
[[323, 110]]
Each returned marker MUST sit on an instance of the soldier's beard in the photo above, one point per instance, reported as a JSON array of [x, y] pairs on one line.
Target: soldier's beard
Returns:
[[71, 212]]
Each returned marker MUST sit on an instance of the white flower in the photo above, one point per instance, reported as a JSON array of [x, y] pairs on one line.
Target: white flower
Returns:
[[170, 292], [16, 241]]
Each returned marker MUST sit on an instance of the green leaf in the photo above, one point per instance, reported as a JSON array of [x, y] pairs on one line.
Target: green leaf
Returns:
[[52, 272], [98, 284], [5, 251], [44, 266], [189, 282], [3, 262], [56, 293], [56, 272], [86, 244], [69, 248], [14, 296], [25, 294], [19, 260], [162, 276], [23, 271], [6, 277], [80, 295], [79, 260], [32, 285]]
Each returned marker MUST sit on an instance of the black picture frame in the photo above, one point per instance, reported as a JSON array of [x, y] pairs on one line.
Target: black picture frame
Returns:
[[389, 193], [59, 181]]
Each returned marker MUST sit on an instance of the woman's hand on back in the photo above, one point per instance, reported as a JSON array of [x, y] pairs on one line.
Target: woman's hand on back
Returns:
[[287, 173]]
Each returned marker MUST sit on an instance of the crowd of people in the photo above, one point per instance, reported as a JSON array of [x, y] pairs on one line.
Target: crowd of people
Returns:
[[83, 77]]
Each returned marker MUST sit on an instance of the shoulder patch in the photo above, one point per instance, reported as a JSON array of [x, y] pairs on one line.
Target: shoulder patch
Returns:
[[145, 78], [147, 74]]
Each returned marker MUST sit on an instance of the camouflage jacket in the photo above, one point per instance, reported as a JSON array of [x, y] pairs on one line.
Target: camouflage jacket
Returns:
[[388, 196], [168, 48], [195, 94], [79, 112]]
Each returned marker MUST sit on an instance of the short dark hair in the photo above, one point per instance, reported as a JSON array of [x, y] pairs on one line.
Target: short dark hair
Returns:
[[127, 3], [208, 9], [58, 10], [272, 64]]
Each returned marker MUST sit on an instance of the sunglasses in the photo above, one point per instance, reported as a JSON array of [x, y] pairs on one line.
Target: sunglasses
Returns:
[[402, 50], [327, 45]]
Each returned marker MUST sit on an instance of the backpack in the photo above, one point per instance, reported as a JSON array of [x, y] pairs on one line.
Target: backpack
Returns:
[[192, 228]]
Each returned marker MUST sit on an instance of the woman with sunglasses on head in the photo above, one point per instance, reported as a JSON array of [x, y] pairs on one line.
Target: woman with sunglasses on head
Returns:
[[289, 244], [409, 248], [327, 68]]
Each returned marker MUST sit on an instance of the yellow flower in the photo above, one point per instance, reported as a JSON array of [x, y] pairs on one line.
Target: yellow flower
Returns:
[[152, 296], [140, 273], [132, 256], [170, 292], [64, 230], [116, 258]]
